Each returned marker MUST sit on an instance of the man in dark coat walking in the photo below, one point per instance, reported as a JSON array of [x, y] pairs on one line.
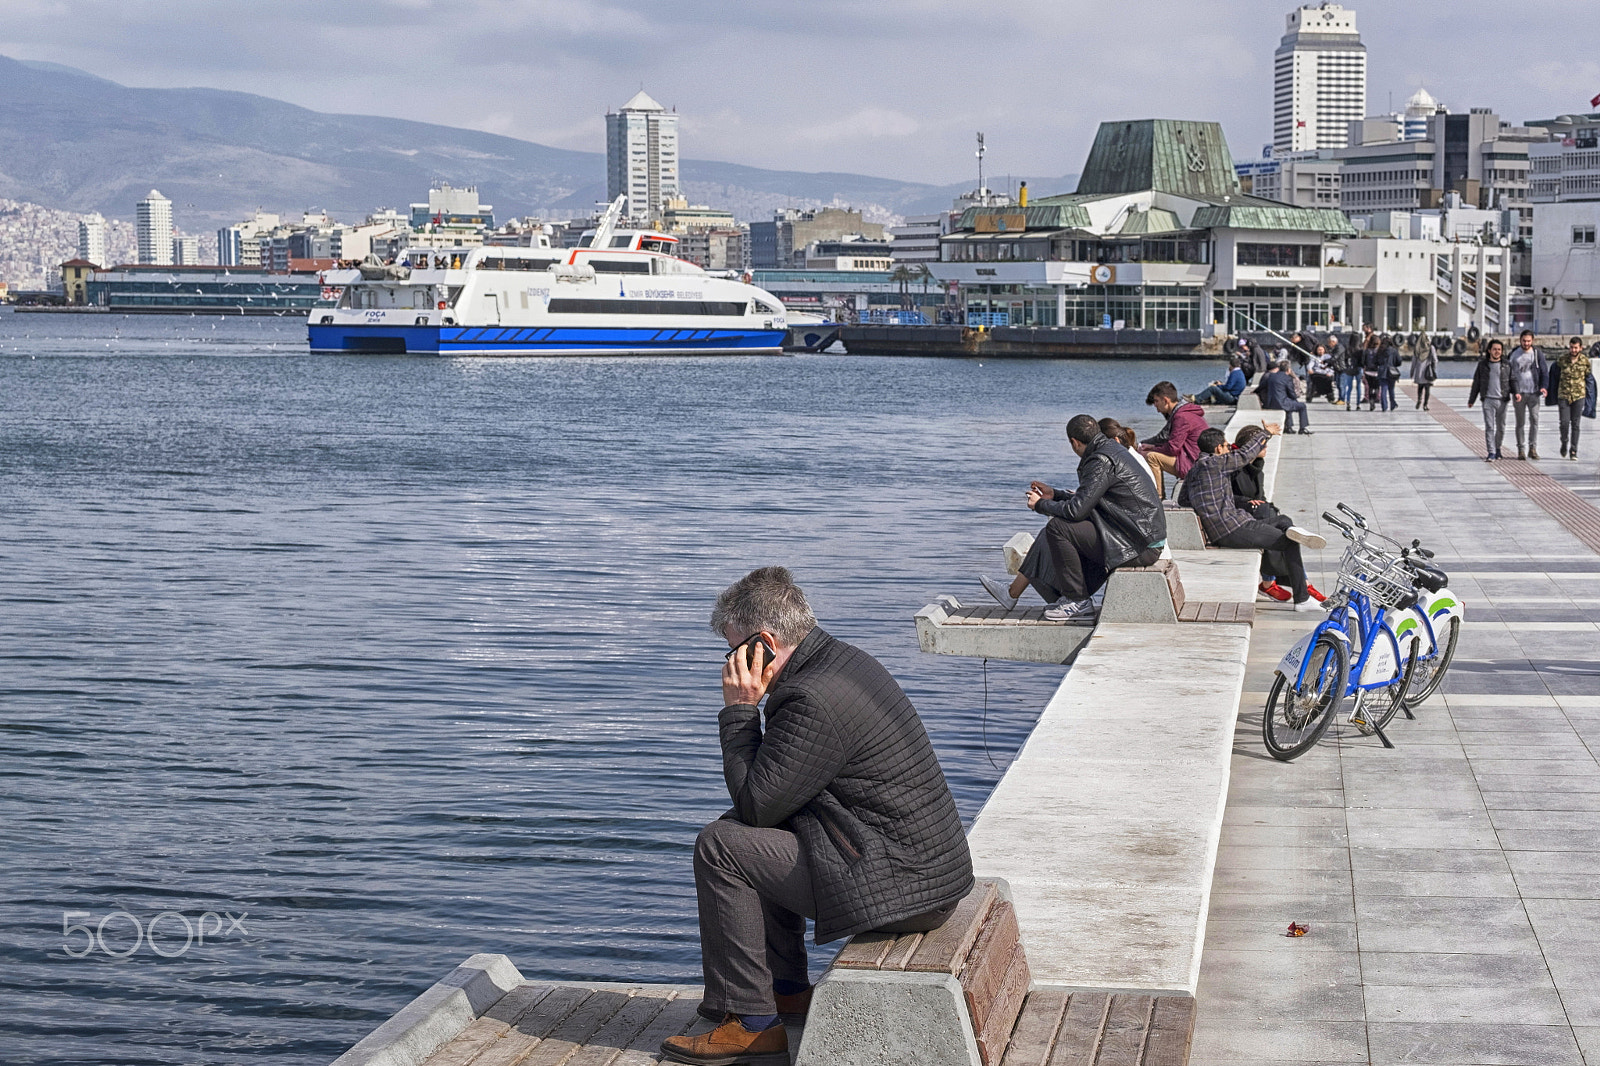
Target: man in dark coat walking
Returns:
[[841, 814]]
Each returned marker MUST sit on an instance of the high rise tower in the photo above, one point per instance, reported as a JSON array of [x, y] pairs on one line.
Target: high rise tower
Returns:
[[92, 239], [152, 226], [642, 155], [1319, 79]]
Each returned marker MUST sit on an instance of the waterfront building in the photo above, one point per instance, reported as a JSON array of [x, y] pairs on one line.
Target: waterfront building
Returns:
[[1319, 79], [153, 229], [1482, 159], [720, 248], [167, 289], [642, 156], [452, 217], [1420, 109], [241, 244], [680, 216], [849, 253], [1158, 235], [75, 276], [1304, 179], [781, 243], [847, 295], [916, 240], [92, 239], [1567, 166], [185, 249]]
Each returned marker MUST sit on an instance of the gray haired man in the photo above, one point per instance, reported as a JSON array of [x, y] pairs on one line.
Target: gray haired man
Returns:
[[840, 814]]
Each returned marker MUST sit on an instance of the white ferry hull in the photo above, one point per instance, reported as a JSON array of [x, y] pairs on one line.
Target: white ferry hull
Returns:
[[382, 338]]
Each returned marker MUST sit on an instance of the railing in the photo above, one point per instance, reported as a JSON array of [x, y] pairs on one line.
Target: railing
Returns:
[[988, 318], [896, 318]]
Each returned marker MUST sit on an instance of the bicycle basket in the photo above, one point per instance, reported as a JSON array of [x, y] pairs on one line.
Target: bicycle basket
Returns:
[[1375, 571]]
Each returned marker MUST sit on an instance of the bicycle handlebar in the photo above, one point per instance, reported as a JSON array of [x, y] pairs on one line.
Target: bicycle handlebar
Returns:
[[1359, 518], [1327, 516]]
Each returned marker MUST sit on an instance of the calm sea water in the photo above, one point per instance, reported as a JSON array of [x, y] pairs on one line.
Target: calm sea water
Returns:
[[361, 665]]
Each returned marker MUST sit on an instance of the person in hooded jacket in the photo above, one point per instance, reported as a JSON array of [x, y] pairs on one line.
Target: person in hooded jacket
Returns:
[[1113, 519]]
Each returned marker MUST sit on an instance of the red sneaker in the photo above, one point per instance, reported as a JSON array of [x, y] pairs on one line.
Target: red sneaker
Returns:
[[1319, 597], [1276, 591]]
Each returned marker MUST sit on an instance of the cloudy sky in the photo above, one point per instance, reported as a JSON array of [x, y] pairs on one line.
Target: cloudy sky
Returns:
[[887, 87]]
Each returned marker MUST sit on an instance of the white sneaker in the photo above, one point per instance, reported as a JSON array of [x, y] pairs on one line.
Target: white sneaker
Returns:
[[1070, 611], [1308, 538], [1000, 591], [1307, 605]]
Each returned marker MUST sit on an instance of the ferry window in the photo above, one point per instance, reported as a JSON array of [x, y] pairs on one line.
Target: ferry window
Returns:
[[768, 308], [622, 240], [586, 241], [620, 266], [647, 307]]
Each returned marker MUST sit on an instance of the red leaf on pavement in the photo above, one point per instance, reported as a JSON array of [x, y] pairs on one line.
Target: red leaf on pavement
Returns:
[[1296, 929]]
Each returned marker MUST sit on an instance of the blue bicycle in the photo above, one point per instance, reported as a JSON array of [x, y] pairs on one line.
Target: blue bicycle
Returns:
[[1367, 648]]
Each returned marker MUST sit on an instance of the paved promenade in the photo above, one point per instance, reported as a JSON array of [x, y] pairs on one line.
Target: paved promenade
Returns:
[[1452, 885]]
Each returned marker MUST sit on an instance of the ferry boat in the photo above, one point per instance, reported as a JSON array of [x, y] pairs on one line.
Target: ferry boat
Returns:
[[620, 292]]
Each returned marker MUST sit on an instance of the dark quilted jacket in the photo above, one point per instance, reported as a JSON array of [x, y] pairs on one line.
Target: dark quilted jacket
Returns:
[[846, 766]]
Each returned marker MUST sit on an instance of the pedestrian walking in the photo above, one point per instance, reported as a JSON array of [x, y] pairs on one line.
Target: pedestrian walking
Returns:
[[1343, 359], [1424, 371], [1570, 389], [1528, 373], [1491, 380]]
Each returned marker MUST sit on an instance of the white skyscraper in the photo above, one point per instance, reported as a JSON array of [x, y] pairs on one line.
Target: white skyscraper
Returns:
[[1319, 79], [152, 227], [642, 155], [92, 239]]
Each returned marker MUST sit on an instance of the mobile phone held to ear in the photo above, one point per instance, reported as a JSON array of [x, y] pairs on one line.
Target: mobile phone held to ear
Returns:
[[756, 662]]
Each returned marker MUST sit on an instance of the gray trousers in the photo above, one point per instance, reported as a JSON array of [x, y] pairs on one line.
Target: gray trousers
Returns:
[[1569, 413], [754, 890], [1528, 417], [1494, 424]]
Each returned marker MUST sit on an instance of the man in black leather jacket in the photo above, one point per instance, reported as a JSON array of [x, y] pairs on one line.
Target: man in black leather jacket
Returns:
[[1113, 519]]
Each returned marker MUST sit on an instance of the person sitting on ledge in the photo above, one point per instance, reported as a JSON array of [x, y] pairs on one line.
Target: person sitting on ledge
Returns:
[[1114, 519], [1174, 448], [1250, 496], [1209, 490], [840, 814], [1225, 392], [1278, 393]]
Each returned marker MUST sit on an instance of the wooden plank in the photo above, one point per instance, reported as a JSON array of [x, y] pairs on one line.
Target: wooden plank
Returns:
[[675, 1018], [1035, 1033], [577, 1028], [490, 1027], [1189, 611], [866, 951], [624, 1025], [1208, 612], [995, 1032], [1079, 1036], [901, 954], [1171, 1032], [983, 977], [531, 1028], [944, 950], [1127, 1023]]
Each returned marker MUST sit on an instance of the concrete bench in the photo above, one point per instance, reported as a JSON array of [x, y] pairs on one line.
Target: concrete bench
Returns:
[[1155, 593], [960, 995]]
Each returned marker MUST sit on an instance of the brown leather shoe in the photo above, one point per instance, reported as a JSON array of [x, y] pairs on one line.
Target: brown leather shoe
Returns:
[[795, 1006], [728, 1044]]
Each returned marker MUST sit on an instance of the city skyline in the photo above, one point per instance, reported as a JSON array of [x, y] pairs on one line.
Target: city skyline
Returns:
[[889, 95]]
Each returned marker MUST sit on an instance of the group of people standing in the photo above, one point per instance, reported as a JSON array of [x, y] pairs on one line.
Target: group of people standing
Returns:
[[1524, 382]]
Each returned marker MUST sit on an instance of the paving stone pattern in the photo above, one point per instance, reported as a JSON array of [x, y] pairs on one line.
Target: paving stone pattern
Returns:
[[1452, 885]]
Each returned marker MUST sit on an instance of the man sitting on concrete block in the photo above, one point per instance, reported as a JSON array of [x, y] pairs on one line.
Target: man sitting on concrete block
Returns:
[[1209, 490], [1115, 518], [840, 814]]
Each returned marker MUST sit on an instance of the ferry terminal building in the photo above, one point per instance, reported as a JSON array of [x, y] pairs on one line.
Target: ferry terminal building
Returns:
[[1159, 235]]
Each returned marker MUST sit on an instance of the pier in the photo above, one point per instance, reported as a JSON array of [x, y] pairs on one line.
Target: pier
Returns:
[[1144, 857]]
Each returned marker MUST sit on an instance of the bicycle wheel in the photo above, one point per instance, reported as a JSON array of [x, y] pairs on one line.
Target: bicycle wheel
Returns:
[[1296, 718], [1382, 704], [1429, 673]]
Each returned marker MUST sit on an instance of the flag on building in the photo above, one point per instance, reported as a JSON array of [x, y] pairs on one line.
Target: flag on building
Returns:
[[1595, 102]]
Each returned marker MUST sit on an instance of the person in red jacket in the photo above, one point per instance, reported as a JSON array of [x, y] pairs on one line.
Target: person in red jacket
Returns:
[[1173, 450]]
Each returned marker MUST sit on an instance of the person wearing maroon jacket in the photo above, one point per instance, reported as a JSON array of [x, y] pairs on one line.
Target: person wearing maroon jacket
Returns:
[[1173, 450]]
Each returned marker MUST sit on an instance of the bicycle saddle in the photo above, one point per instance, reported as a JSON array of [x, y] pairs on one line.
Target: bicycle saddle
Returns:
[[1408, 600], [1429, 577]]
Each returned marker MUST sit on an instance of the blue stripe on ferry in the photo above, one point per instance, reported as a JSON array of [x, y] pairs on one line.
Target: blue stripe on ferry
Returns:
[[458, 339]]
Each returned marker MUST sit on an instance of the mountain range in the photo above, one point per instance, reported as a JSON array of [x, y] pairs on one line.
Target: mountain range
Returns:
[[72, 140]]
